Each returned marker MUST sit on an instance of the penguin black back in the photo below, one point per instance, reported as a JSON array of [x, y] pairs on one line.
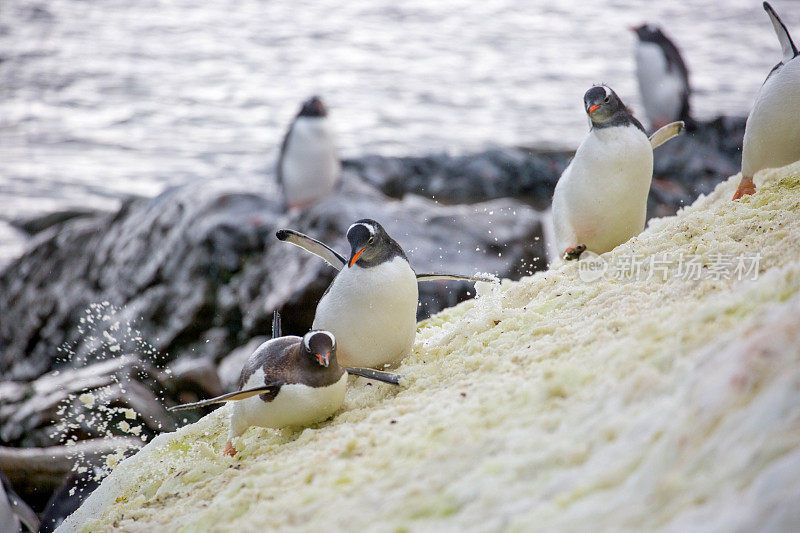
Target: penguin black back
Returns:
[[310, 360]]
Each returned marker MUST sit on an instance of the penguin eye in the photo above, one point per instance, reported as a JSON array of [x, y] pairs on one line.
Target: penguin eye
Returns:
[[371, 240], [607, 99]]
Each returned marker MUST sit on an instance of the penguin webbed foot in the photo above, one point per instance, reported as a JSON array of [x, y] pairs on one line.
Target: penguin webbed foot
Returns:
[[574, 252], [229, 450], [746, 187]]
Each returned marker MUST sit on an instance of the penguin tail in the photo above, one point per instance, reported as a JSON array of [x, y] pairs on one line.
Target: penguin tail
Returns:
[[276, 325], [377, 375]]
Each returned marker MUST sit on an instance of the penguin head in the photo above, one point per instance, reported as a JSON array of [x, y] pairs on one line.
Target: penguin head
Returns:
[[601, 104], [649, 33], [313, 107], [320, 347], [369, 242]]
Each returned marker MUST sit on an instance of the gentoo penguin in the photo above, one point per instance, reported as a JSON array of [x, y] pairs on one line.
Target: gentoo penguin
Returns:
[[14, 513], [600, 200], [371, 305], [308, 166], [772, 133], [289, 381], [663, 77]]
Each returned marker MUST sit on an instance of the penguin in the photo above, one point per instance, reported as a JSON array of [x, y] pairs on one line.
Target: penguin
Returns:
[[289, 381], [600, 200], [772, 131], [308, 165], [14, 513], [371, 305], [663, 78]]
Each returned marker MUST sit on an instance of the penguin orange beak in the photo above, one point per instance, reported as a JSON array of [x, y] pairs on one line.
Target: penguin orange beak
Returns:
[[323, 358], [593, 108], [355, 257]]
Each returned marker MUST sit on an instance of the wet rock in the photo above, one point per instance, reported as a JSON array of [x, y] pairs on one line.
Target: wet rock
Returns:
[[32, 418], [498, 173], [37, 223], [75, 488], [230, 368], [37, 472], [194, 378], [199, 270]]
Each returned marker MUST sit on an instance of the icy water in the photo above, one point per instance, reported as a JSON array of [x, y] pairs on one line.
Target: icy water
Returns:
[[110, 97]]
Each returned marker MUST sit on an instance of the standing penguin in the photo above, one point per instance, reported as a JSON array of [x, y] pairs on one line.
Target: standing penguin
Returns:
[[308, 166], [371, 305], [600, 201], [772, 133], [289, 381], [663, 77]]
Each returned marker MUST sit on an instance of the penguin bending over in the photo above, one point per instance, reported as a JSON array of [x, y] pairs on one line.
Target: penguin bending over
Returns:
[[371, 305], [308, 165], [600, 200], [663, 78], [772, 132], [289, 381]]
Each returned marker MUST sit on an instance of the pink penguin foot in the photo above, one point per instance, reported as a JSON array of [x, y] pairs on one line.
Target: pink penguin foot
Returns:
[[746, 186], [229, 449]]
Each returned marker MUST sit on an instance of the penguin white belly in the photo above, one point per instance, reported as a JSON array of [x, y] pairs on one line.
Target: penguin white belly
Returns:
[[601, 198], [294, 405], [310, 166], [772, 133], [660, 89], [372, 312]]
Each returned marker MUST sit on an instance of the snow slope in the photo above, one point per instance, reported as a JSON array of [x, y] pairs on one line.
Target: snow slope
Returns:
[[552, 403]]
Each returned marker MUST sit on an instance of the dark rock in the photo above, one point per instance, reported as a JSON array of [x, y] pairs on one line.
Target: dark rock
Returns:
[[37, 223], [75, 488], [230, 367], [526, 175], [37, 472], [118, 384], [194, 378], [197, 264]]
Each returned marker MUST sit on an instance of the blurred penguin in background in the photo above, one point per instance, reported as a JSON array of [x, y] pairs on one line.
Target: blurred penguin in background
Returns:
[[308, 165], [663, 78]]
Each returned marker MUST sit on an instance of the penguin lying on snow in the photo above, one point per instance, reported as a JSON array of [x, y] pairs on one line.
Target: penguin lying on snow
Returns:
[[600, 201], [371, 305], [663, 77], [308, 166], [772, 133], [289, 381]]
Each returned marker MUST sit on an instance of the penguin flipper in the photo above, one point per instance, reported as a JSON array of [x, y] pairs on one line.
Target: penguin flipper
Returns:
[[377, 375], [665, 133], [276, 325], [457, 277], [322, 250], [230, 397], [787, 45]]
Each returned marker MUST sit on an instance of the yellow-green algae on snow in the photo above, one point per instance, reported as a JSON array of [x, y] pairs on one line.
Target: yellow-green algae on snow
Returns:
[[545, 404]]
